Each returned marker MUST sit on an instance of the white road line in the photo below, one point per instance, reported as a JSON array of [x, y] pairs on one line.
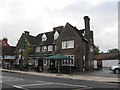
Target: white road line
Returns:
[[17, 79], [41, 81], [20, 87], [65, 84], [71, 85], [10, 80], [34, 84]]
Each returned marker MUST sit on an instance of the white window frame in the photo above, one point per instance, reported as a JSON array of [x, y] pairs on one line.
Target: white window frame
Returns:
[[37, 49], [56, 35], [30, 61], [18, 60], [50, 48], [83, 57], [44, 37], [68, 44], [68, 62], [44, 48], [36, 61], [45, 62]]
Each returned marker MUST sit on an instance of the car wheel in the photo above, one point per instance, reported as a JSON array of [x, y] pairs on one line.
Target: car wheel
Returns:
[[117, 71]]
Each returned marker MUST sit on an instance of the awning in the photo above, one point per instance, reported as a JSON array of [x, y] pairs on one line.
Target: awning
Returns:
[[58, 57]]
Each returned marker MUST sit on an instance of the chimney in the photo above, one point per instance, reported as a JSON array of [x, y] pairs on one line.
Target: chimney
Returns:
[[91, 34], [5, 40], [27, 32], [87, 27]]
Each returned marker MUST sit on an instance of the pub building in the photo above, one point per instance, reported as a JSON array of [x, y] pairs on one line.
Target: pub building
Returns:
[[65, 40]]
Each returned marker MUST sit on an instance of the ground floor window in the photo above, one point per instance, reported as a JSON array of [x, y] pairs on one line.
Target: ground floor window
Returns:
[[45, 62], [36, 61], [68, 62], [31, 61]]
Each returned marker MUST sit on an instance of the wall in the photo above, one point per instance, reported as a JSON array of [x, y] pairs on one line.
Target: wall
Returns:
[[109, 63]]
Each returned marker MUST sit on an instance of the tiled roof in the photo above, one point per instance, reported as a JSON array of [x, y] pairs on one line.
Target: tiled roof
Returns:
[[107, 56], [8, 50], [30, 38], [80, 32], [50, 39]]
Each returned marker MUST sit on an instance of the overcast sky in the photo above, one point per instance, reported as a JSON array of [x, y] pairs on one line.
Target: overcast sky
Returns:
[[38, 16]]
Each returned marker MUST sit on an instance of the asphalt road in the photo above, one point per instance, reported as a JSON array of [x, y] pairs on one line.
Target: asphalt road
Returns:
[[104, 72], [28, 82]]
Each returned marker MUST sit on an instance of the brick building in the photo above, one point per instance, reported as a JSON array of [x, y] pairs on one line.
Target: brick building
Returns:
[[66, 40], [7, 54]]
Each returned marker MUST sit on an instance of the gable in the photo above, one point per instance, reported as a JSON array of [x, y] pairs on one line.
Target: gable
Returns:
[[70, 32]]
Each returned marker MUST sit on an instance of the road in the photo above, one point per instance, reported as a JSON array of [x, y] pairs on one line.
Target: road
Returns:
[[30, 82]]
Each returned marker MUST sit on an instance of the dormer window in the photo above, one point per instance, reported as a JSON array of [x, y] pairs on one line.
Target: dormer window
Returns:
[[56, 35], [44, 37]]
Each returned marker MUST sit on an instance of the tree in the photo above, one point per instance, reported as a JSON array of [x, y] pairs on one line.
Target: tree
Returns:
[[26, 48], [96, 50], [113, 50]]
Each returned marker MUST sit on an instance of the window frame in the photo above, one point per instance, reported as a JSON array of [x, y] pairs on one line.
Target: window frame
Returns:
[[50, 48], [69, 62], [56, 35], [43, 49], [45, 62], [44, 37], [68, 44], [37, 49]]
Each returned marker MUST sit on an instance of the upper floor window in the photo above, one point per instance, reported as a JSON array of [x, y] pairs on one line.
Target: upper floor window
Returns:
[[44, 48], [38, 49], [44, 37], [68, 44], [56, 35], [50, 48]]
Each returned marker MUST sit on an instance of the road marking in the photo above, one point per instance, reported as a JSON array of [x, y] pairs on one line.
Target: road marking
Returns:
[[10, 80], [66, 84], [71, 85], [20, 87], [34, 84], [17, 79], [40, 81]]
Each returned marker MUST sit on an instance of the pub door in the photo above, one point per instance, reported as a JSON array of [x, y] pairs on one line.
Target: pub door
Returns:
[[52, 66]]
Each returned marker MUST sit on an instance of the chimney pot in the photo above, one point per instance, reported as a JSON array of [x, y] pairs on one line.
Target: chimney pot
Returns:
[[86, 17], [27, 32]]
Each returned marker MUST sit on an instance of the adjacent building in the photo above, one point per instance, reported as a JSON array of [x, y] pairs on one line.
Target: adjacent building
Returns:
[[106, 60], [66, 40], [7, 54]]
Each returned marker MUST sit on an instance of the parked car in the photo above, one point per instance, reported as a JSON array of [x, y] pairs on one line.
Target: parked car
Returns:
[[116, 69]]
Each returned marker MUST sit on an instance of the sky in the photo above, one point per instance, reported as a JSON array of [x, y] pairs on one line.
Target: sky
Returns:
[[39, 16]]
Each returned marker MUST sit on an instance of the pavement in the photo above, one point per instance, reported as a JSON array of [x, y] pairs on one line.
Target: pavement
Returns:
[[69, 76]]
